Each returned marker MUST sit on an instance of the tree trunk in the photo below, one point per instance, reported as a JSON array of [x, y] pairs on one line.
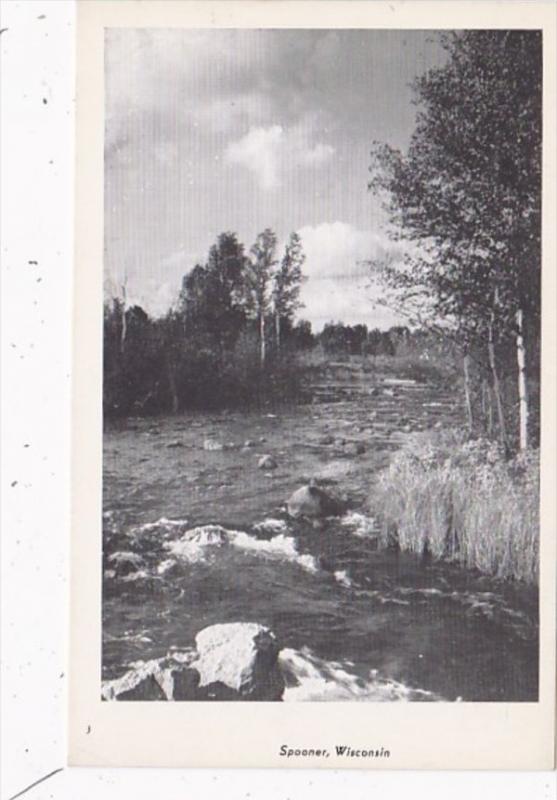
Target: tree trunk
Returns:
[[124, 324], [522, 381], [467, 395], [277, 329], [486, 405], [496, 386], [489, 409], [262, 338]]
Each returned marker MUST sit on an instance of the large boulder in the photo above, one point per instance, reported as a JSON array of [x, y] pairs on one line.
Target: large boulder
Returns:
[[311, 501], [238, 661], [267, 462]]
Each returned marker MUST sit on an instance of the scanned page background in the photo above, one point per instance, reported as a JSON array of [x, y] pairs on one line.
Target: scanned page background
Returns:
[[38, 52]]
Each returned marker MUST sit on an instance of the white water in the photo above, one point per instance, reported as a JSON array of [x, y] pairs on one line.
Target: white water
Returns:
[[196, 543]]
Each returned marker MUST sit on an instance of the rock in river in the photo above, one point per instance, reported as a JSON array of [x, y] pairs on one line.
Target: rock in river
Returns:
[[354, 448], [212, 444], [125, 563], [239, 660], [267, 462], [312, 501]]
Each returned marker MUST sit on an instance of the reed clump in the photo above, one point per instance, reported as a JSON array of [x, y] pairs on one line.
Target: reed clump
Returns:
[[463, 501]]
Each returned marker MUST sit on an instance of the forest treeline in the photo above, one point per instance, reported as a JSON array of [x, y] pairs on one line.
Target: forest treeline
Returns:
[[231, 339]]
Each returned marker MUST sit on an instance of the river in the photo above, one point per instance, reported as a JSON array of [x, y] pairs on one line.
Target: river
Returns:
[[355, 622]]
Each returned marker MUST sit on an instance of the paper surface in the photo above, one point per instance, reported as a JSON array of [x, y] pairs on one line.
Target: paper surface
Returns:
[[416, 735]]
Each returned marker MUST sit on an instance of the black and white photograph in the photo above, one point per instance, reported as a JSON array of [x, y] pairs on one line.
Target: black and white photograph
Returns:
[[321, 365]]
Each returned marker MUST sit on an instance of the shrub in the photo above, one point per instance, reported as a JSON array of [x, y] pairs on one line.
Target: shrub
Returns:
[[462, 501]]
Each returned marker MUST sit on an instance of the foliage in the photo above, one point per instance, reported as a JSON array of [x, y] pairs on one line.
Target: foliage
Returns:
[[338, 338], [288, 282], [468, 190], [466, 197], [258, 274], [205, 352]]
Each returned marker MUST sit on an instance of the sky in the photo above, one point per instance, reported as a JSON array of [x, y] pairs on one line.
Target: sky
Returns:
[[239, 130]]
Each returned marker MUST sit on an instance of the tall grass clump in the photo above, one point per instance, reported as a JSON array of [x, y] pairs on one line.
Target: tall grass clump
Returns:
[[463, 501]]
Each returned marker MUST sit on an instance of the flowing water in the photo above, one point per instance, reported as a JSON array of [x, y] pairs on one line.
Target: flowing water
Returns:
[[195, 536]]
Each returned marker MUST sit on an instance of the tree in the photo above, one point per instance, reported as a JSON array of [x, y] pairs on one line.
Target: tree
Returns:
[[257, 283], [302, 336], [211, 299], [131, 364], [287, 283], [467, 195]]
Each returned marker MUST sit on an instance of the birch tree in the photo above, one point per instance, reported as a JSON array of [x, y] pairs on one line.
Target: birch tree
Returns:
[[258, 283], [467, 194], [287, 283]]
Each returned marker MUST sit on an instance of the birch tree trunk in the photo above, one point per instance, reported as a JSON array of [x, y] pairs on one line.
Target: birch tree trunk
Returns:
[[522, 381], [277, 329], [496, 385], [467, 395], [489, 409], [262, 338]]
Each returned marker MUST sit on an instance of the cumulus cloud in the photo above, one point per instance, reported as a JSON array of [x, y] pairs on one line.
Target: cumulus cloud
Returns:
[[338, 285], [259, 151], [339, 250], [268, 152]]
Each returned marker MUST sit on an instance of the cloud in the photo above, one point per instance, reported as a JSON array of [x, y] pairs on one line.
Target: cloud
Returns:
[[259, 150], [339, 250], [318, 155], [338, 285], [270, 152]]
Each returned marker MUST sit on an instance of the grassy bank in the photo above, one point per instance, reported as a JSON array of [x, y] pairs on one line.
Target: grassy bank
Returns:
[[462, 501]]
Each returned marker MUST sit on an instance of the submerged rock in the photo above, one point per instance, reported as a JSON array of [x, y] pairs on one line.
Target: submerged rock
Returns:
[[312, 501], [125, 563], [267, 462], [354, 448], [212, 444], [239, 661]]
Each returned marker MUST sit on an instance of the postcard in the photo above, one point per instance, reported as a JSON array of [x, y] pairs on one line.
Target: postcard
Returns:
[[314, 407]]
